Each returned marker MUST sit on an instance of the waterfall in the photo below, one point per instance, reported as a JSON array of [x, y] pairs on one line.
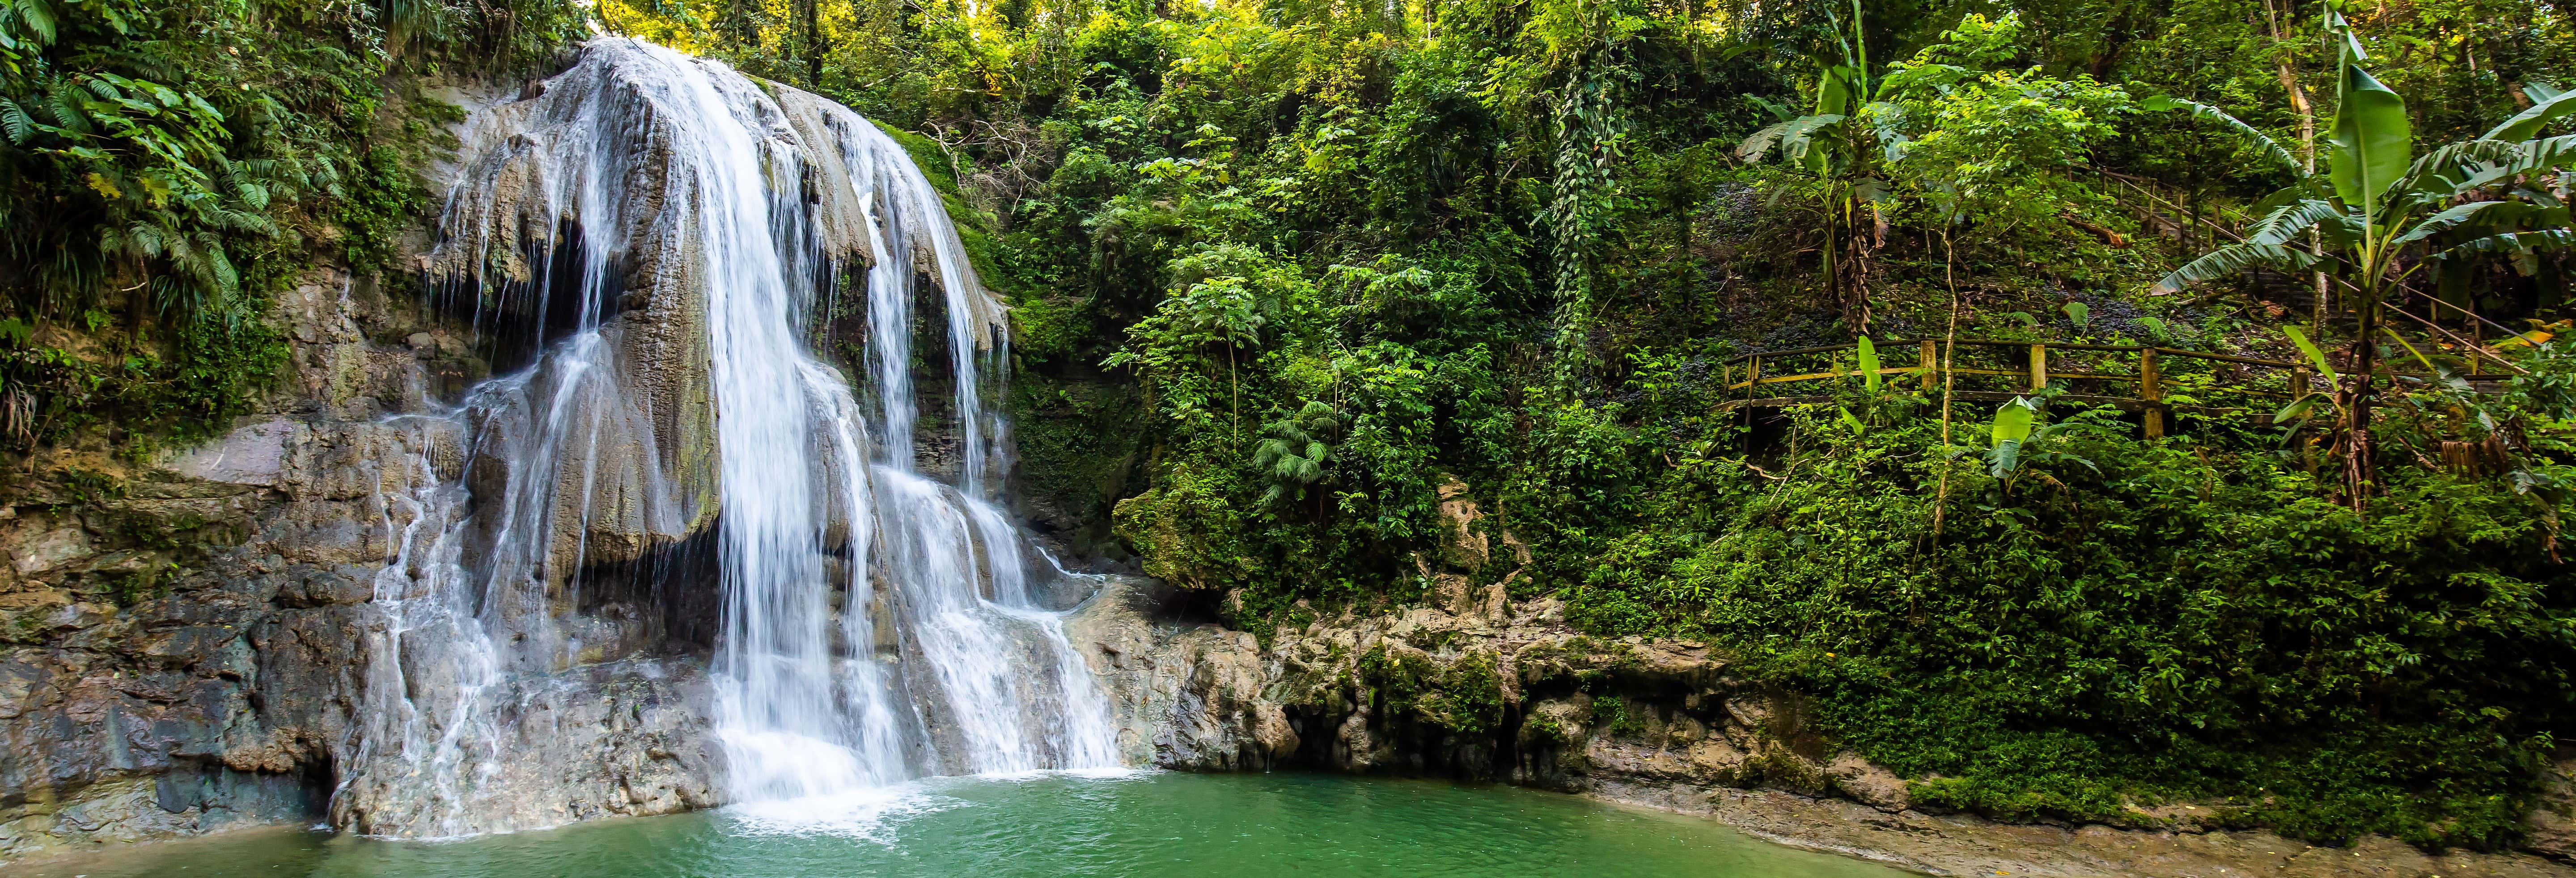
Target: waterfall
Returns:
[[667, 240]]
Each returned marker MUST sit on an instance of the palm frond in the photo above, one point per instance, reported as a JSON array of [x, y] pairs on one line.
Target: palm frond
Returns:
[[2512, 244], [2234, 258], [2270, 148], [2528, 122], [2287, 223], [2465, 214], [2446, 171]]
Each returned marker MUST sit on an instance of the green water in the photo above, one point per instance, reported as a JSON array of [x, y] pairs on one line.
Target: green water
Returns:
[[1228, 826]]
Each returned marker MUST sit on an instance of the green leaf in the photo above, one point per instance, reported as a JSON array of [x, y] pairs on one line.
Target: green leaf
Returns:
[[2234, 258], [2005, 458], [1873, 190], [2314, 356], [1791, 136], [2078, 313], [2475, 212], [2271, 149], [1868, 365], [2373, 140], [2456, 167], [1853, 421], [2297, 410], [1834, 90], [15, 121], [2012, 421], [2410, 348], [38, 15], [2289, 222], [2512, 244], [2526, 124]]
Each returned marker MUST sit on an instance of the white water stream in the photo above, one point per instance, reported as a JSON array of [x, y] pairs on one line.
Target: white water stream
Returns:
[[876, 623]]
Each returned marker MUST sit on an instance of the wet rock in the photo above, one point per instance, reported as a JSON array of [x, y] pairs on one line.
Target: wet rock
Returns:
[[1865, 782], [250, 455], [620, 739], [1183, 696], [50, 549], [2553, 824], [186, 632]]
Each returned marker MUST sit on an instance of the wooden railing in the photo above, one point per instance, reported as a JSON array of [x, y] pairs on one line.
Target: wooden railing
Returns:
[[2035, 374]]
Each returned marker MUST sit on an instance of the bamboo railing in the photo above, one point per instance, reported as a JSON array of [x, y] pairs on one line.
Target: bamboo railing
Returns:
[[2034, 374]]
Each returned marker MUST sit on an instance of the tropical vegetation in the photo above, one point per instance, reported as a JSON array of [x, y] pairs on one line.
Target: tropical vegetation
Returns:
[[1284, 272]]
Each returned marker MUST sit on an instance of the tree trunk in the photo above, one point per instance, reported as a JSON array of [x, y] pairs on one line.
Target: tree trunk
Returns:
[[813, 15], [2359, 471]]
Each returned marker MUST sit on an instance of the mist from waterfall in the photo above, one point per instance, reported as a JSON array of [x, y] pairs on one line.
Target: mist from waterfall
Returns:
[[874, 623]]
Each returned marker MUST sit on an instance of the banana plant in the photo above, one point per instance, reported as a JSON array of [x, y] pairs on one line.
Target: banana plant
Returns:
[[2303, 409], [1835, 142], [2018, 431], [2378, 201], [1870, 381], [2012, 427]]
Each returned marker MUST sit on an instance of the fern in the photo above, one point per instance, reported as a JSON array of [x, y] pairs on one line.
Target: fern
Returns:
[[15, 121]]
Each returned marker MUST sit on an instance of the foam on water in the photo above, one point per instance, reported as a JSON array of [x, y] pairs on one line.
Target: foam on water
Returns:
[[871, 814]]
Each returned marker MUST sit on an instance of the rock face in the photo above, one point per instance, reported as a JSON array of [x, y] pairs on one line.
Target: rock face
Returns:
[[185, 636], [186, 643], [2553, 825], [1480, 692], [1470, 686], [623, 738], [1183, 696]]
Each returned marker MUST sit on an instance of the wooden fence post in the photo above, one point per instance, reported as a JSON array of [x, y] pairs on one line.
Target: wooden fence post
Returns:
[[2298, 382], [2151, 389], [2038, 367], [2477, 339], [1930, 364]]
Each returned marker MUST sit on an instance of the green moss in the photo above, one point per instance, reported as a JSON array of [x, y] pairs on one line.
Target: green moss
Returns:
[[974, 229], [1464, 695], [383, 200], [1611, 712]]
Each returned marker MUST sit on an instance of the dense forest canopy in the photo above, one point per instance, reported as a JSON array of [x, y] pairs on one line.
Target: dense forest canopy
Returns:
[[1286, 275]]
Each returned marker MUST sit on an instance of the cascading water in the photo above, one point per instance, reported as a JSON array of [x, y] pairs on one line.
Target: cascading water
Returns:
[[660, 229]]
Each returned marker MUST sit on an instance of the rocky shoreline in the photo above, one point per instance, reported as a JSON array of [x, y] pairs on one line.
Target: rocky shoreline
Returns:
[[1651, 724], [1962, 845]]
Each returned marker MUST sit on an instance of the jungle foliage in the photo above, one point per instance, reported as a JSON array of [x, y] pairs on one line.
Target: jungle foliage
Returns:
[[168, 165], [1283, 271]]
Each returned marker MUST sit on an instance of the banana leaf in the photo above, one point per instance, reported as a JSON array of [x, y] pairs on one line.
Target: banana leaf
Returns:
[[2315, 356], [2373, 140], [2234, 258], [2271, 148]]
